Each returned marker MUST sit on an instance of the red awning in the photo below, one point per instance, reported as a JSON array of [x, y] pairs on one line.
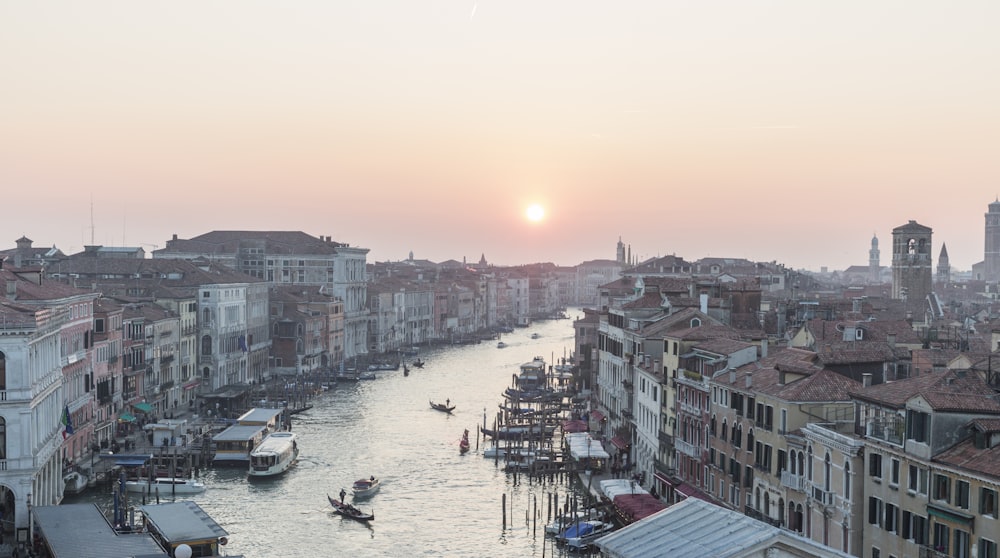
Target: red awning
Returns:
[[574, 426], [596, 415], [663, 478], [692, 492], [619, 442]]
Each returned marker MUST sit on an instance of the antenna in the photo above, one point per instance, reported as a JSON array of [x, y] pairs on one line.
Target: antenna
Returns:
[[92, 219]]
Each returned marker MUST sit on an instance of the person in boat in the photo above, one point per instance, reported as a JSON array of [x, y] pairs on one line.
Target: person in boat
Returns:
[[447, 402], [373, 478], [343, 493]]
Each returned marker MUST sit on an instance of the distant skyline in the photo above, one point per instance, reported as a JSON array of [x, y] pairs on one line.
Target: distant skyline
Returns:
[[782, 130]]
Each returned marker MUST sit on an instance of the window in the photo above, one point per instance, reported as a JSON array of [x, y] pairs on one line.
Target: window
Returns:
[[750, 407], [891, 518], [962, 494], [876, 553], [847, 480], [961, 544], [894, 472], [917, 426], [941, 537], [917, 480], [987, 548], [874, 510], [988, 502], [875, 465], [942, 488]]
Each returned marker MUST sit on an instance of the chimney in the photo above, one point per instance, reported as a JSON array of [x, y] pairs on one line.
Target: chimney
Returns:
[[175, 236], [657, 368], [732, 375], [749, 379], [866, 379], [891, 339], [704, 303], [11, 289], [763, 348], [781, 375]]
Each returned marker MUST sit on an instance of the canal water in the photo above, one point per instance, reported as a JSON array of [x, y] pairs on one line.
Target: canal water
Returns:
[[433, 501]]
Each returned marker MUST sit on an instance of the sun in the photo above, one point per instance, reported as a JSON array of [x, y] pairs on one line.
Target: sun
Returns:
[[535, 213]]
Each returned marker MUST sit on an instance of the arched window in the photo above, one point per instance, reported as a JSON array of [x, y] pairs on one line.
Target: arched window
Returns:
[[712, 429], [847, 480], [738, 435], [809, 464], [791, 462], [301, 329], [724, 430], [206, 345], [781, 509], [827, 472], [798, 518], [300, 347], [750, 440], [802, 463], [3, 371], [756, 499], [695, 322]]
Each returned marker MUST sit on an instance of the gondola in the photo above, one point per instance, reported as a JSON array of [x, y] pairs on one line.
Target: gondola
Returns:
[[463, 445], [443, 407], [418, 363], [350, 511]]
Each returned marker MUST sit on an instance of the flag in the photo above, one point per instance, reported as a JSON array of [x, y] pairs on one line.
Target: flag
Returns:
[[67, 423], [243, 343]]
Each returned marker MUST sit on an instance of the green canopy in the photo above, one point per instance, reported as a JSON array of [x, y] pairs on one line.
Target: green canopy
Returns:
[[126, 417], [143, 407]]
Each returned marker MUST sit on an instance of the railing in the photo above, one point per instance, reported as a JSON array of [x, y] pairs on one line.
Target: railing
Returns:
[[822, 496], [795, 482], [931, 552], [687, 448], [690, 409]]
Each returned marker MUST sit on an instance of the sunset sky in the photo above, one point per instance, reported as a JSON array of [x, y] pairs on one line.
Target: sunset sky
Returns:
[[780, 130]]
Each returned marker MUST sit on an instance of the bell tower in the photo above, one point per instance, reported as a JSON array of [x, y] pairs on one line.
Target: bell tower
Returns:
[[874, 268], [991, 260], [912, 267]]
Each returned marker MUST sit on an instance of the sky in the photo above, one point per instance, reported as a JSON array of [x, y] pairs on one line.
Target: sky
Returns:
[[784, 130]]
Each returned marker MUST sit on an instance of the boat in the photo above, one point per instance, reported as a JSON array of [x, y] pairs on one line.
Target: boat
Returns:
[[445, 407], [165, 485], [535, 336], [566, 520], [364, 488], [580, 535], [463, 445], [298, 410], [347, 510], [406, 370], [411, 351], [274, 455], [418, 363], [75, 482], [501, 345]]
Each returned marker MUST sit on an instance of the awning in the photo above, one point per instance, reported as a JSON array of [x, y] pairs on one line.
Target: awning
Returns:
[[619, 442], [692, 492], [126, 417], [596, 415], [663, 478], [192, 385], [143, 407]]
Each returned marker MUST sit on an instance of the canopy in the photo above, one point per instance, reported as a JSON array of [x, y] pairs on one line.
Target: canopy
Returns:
[[143, 407], [126, 417]]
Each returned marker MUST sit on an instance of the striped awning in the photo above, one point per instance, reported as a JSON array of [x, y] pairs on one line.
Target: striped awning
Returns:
[[596, 415]]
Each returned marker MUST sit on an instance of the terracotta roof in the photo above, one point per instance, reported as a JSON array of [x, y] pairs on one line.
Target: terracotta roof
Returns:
[[967, 456], [986, 425], [825, 385], [949, 391]]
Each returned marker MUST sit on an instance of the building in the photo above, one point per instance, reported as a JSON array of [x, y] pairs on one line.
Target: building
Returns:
[[912, 267]]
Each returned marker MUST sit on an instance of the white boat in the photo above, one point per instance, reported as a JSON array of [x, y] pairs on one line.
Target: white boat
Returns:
[[274, 455], [564, 521], [75, 483], [165, 486], [366, 487], [580, 535]]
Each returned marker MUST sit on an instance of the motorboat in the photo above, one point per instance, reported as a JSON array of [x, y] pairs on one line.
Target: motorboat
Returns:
[[564, 521], [165, 486], [580, 535], [275, 454], [501, 345], [347, 510], [364, 488], [75, 481]]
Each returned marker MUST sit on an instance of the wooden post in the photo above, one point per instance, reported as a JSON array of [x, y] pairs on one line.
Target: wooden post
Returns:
[[503, 509]]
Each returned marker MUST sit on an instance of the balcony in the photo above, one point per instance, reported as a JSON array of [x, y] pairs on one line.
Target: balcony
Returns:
[[795, 482], [822, 496], [932, 552], [687, 448]]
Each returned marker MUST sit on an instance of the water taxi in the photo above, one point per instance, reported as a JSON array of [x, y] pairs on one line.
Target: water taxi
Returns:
[[165, 486], [274, 455]]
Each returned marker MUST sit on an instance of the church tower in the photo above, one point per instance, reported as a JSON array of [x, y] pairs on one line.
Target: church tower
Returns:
[[874, 268], [620, 254], [991, 261], [944, 268], [911, 267]]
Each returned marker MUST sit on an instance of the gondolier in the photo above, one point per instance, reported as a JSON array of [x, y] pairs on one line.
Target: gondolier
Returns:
[[343, 493]]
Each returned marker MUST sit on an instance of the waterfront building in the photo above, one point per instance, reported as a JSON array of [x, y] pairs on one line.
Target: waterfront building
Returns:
[[107, 363], [46, 409], [283, 257], [307, 329]]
